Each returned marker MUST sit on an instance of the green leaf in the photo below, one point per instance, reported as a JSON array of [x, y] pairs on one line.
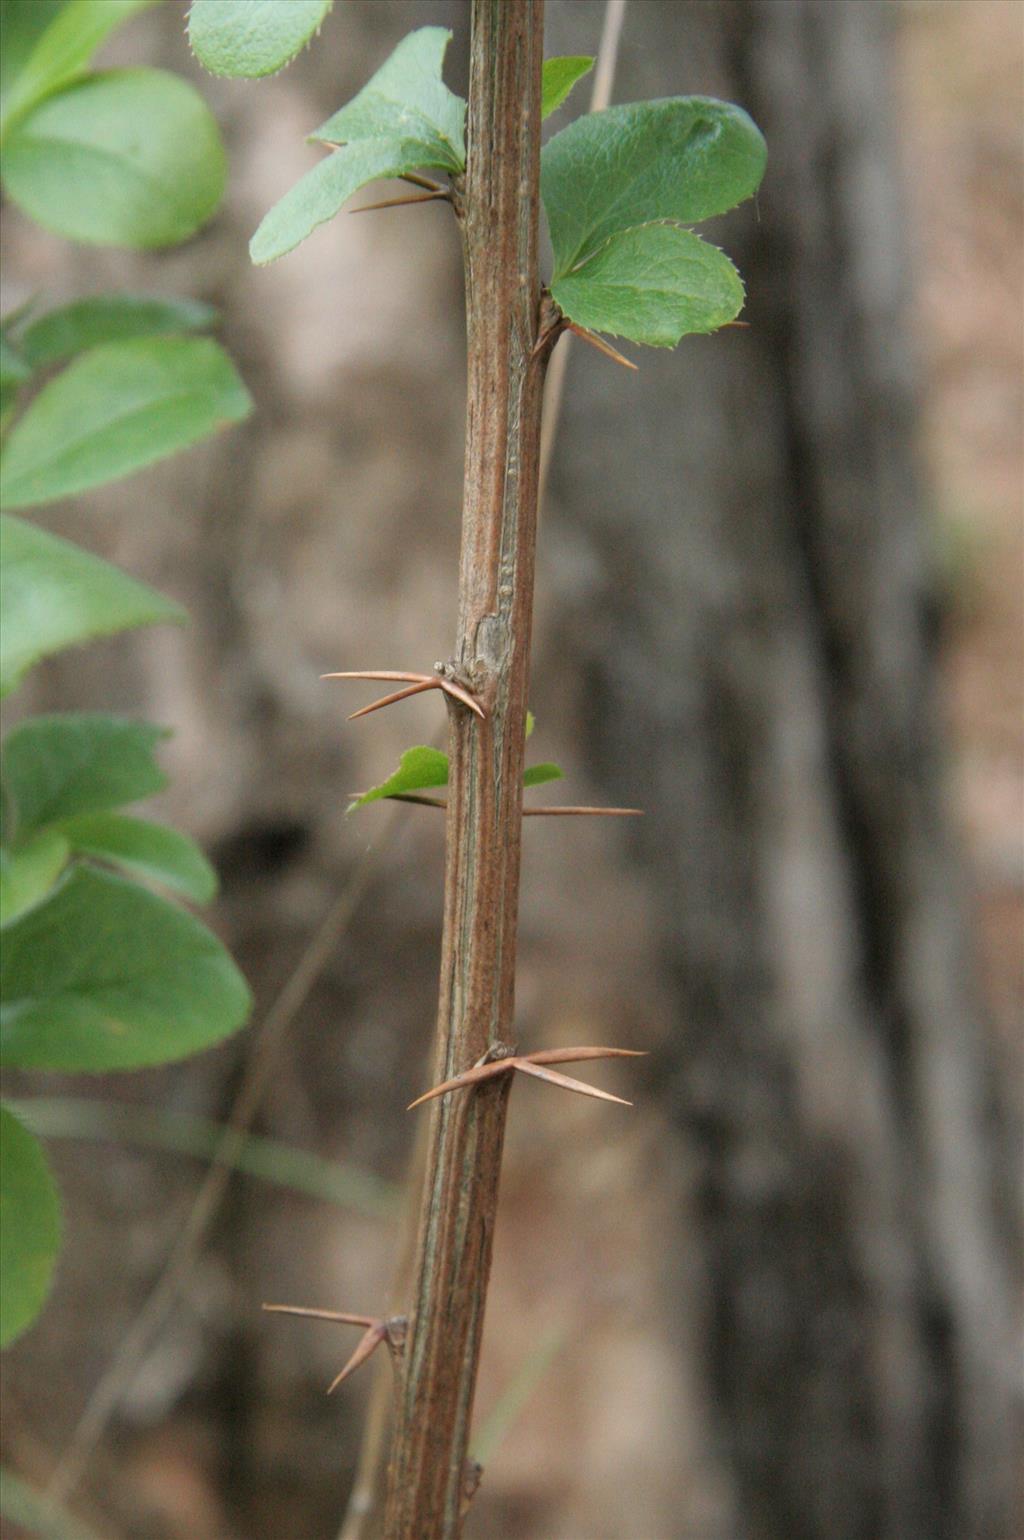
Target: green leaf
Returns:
[[653, 284], [28, 874], [37, 1513], [302, 1171], [13, 368], [115, 409], [684, 159], [14, 371], [55, 767], [22, 23], [105, 975], [252, 37], [407, 100], [124, 158], [422, 768], [71, 329], [418, 769], [322, 191], [558, 79], [63, 50], [531, 722], [53, 595], [29, 1227], [144, 849], [536, 775]]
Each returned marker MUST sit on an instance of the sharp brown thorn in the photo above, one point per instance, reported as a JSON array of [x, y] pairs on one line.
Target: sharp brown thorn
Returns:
[[580, 812], [370, 1340], [468, 1077], [424, 181], [464, 696], [599, 343], [554, 1078], [323, 1315], [380, 673], [389, 700], [441, 195], [577, 1055]]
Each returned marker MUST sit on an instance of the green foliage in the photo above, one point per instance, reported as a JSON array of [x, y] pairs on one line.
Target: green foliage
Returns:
[[322, 191], [52, 595], [653, 284], [538, 775], [252, 37], [143, 849], [96, 972], [615, 185], [558, 78], [14, 371], [405, 119], [28, 873], [103, 975], [423, 768], [125, 158], [407, 100], [117, 408], [30, 1227], [419, 769], [22, 23], [53, 46], [60, 334], [684, 159], [57, 767]]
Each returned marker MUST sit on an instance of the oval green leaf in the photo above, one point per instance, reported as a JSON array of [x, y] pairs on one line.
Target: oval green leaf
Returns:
[[105, 975], [144, 849], [539, 775], [72, 329], [29, 1227], [322, 191], [558, 79], [251, 38], [418, 769], [28, 874], [124, 158], [52, 595], [684, 159], [56, 767], [407, 100], [117, 408], [63, 49], [654, 285]]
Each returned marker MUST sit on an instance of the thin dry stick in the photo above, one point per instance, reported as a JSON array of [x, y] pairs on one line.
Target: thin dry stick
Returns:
[[600, 96], [120, 1372], [363, 1512], [427, 1478]]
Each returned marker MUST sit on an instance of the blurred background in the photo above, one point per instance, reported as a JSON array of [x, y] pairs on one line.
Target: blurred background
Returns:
[[779, 607]]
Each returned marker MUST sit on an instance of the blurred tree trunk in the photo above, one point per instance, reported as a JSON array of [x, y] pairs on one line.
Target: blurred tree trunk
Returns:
[[758, 647]]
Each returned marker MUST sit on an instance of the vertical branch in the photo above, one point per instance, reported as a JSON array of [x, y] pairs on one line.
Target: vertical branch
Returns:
[[427, 1487]]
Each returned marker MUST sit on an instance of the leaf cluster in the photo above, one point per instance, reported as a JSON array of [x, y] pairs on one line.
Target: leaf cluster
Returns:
[[122, 157], [101, 968], [621, 187]]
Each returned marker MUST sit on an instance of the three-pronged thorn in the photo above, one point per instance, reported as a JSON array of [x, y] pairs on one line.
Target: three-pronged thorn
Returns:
[[389, 1329], [534, 1064], [415, 684]]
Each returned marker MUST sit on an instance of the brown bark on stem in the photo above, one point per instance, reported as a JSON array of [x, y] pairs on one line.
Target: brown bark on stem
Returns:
[[427, 1487]]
